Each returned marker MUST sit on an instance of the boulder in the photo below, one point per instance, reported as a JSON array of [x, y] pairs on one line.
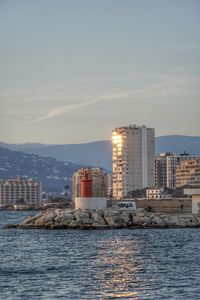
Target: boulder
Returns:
[[98, 220], [45, 218], [64, 217], [99, 226], [156, 220], [73, 224], [138, 218], [83, 217], [113, 218], [126, 217], [30, 220]]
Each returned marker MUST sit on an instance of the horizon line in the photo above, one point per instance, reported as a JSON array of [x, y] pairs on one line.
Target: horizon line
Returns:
[[88, 142]]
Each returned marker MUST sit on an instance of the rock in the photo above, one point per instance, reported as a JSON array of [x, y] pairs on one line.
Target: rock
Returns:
[[126, 217], [99, 226], [113, 218], [82, 217], [10, 226], [28, 226], [45, 218], [138, 219], [64, 217], [74, 224], [101, 211], [30, 220], [98, 219], [157, 220]]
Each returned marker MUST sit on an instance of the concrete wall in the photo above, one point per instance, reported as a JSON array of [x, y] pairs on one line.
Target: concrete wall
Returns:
[[164, 205], [90, 202], [195, 204]]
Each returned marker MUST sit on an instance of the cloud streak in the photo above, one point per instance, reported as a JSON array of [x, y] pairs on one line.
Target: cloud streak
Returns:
[[176, 86], [65, 109]]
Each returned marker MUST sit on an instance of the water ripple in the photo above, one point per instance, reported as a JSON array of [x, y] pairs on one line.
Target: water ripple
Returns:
[[107, 264]]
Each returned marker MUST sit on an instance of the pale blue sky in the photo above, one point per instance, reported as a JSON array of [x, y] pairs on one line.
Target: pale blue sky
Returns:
[[71, 71]]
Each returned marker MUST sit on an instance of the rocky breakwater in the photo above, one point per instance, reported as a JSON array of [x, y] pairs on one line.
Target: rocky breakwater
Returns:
[[105, 218]]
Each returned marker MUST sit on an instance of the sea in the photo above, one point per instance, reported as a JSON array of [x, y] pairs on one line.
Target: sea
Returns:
[[98, 264]]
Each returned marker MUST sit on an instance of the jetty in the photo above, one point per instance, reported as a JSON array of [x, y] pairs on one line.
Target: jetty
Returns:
[[106, 219]]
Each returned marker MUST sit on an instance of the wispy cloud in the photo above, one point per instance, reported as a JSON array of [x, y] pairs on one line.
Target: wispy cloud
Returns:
[[170, 86], [74, 96], [62, 110]]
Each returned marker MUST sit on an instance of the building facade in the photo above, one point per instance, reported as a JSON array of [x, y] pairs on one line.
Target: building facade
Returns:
[[99, 182], [161, 169], [133, 159], [188, 173], [28, 191], [166, 166], [171, 162], [157, 193]]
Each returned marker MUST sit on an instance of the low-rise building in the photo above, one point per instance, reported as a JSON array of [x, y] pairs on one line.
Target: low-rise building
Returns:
[[18, 190], [157, 193]]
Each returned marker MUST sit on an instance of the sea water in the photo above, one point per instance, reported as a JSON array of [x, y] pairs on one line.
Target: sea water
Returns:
[[98, 264]]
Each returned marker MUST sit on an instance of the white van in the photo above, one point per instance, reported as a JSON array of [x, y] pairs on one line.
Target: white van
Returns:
[[127, 205]]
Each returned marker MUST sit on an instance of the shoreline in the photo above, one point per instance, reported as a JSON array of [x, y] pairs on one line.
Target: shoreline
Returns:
[[110, 218]]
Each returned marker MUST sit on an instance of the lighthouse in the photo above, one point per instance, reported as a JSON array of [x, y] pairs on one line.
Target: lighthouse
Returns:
[[86, 199], [86, 185]]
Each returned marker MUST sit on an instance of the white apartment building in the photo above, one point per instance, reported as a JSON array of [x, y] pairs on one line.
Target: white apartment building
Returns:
[[133, 159], [13, 190], [157, 193], [99, 182]]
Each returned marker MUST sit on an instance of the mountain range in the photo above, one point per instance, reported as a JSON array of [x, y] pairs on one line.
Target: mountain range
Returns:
[[55, 164], [100, 153], [52, 173], [94, 153]]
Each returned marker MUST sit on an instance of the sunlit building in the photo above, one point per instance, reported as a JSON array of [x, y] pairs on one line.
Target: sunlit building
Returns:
[[133, 158], [173, 162], [188, 173], [28, 191], [167, 169]]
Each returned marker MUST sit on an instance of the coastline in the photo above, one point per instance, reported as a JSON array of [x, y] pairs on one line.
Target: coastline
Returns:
[[109, 218]]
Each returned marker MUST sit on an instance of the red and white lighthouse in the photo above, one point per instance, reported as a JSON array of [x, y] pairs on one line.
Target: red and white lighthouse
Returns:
[[86, 199]]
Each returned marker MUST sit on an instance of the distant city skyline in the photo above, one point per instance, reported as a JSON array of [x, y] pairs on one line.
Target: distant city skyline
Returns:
[[72, 71]]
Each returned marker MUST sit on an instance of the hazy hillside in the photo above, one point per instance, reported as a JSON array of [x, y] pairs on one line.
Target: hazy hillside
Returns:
[[100, 153], [22, 146], [94, 153], [178, 144], [52, 173]]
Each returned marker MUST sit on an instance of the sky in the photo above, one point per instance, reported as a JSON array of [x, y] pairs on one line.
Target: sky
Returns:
[[73, 70]]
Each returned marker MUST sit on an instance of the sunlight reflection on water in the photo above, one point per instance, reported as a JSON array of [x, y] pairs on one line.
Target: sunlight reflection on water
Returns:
[[121, 264]]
